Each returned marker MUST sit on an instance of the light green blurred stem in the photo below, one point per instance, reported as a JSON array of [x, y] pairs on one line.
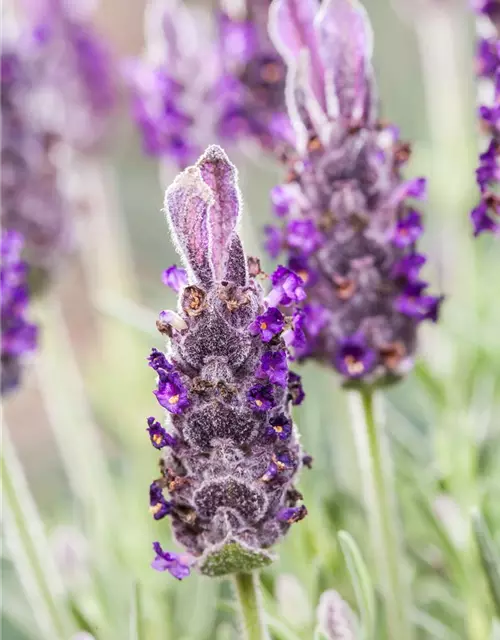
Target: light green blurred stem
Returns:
[[252, 615], [376, 475], [28, 548]]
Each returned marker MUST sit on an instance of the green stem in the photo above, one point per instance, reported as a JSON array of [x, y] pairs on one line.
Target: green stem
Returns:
[[248, 594], [376, 474], [28, 547]]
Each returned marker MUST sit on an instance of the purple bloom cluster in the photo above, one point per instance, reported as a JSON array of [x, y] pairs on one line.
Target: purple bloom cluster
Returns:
[[486, 215], [346, 227], [252, 86], [19, 336], [77, 70], [32, 202], [175, 115], [232, 458]]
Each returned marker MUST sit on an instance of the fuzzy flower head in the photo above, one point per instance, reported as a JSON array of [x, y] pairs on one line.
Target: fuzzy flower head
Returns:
[[77, 68], [32, 201], [485, 216], [253, 78], [231, 454], [175, 115], [348, 222], [19, 336]]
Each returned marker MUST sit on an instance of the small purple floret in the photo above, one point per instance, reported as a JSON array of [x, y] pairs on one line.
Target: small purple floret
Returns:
[[171, 562], [175, 278], [288, 287], [354, 357], [159, 436], [261, 397], [158, 506], [171, 393], [290, 515], [268, 325], [274, 367]]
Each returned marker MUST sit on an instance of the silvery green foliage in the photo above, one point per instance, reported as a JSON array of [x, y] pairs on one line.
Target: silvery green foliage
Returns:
[[233, 455], [336, 621]]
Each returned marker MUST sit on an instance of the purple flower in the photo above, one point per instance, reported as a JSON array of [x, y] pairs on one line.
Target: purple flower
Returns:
[[354, 358], [174, 278], [274, 367], [408, 229], [413, 303], [172, 562], [274, 240], [349, 232], [482, 221], [19, 336], [280, 426], [229, 395], [158, 506], [171, 393], [260, 397], [157, 360], [290, 515], [294, 336], [268, 325], [287, 288], [159, 436], [409, 267], [302, 236]]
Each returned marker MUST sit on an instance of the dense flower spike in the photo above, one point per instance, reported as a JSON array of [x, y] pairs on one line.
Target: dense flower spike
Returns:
[[252, 87], [175, 115], [346, 228], [227, 390], [486, 215], [32, 202], [77, 69], [19, 336]]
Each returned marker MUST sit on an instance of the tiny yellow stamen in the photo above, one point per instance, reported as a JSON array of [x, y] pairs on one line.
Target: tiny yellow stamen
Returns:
[[278, 428], [263, 325], [157, 438], [154, 509], [259, 403], [354, 367], [174, 399]]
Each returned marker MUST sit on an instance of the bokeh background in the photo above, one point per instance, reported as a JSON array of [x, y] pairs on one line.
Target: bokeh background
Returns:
[[78, 423]]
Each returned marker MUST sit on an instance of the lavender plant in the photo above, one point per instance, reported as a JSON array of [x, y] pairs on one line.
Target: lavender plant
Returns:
[[175, 116], [33, 202], [232, 454], [347, 226], [485, 216], [19, 335], [76, 66], [253, 81]]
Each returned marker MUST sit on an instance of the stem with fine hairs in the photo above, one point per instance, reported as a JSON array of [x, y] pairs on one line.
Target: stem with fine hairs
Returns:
[[248, 594]]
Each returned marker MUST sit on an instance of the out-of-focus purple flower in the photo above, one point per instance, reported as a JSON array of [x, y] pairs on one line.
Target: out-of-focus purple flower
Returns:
[[253, 84], [288, 288], [77, 67], [176, 116], [294, 335], [413, 302], [177, 565], [33, 202], [175, 278], [354, 358], [274, 367], [486, 215], [350, 229], [274, 240], [268, 325], [19, 336], [236, 455]]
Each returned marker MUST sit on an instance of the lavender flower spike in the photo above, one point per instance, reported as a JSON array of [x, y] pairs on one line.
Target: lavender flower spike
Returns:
[[347, 228], [233, 456], [19, 336], [486, 215]]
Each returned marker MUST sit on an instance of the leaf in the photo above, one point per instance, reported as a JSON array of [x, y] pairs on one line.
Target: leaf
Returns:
[[362, 583], [489, 557]]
